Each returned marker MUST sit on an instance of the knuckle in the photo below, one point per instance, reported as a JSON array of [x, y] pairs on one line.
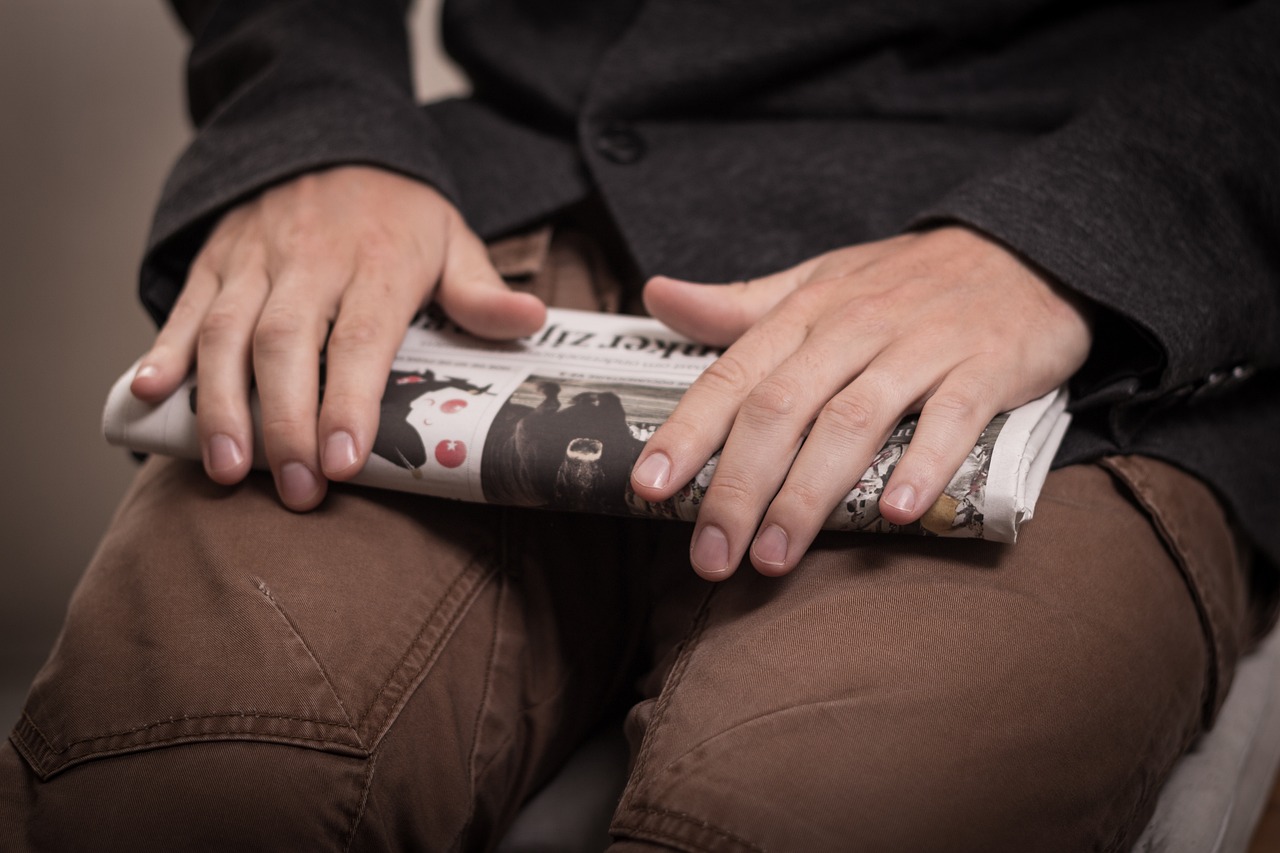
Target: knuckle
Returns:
[[217, 327], [304, 249], [849, 413], [185, 309], [277, 330], [378, 248], [809, 300], [927, 457], [301, 234], [213, 254], [181, 328], [287, 430], [343, 406], [873, 314], [249, 259], [728, 376], [221, 412], [952, 407], [677, 432], [876, 383], [774, 397], [805, 499], [731, 491], [356, 333], [878, 303]]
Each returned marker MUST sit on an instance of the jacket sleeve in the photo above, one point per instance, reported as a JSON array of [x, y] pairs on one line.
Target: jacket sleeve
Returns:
[[1160, 203], [277, 88]]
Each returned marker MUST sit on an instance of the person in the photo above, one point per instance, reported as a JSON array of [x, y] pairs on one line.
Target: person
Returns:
[[944, 209]]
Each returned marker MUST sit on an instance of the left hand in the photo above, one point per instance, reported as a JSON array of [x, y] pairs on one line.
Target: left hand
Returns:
[[826, 358]]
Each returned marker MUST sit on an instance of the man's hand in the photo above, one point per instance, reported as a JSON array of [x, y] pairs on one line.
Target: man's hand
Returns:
[[348, 254], [826, 358]]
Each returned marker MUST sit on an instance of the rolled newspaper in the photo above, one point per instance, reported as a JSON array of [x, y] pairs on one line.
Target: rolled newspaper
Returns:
[[558, 419]]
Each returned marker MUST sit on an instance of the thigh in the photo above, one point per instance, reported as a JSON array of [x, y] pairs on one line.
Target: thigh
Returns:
[[386, 670], [228, 669], [919, 694]]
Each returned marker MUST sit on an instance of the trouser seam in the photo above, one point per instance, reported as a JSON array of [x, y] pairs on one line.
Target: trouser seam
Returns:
[[364, 802], [248, 715], [486, 691], [699, 823], [426, 623], [630, 795], [1202, 593], [41, 760], [324, 673], [460, 595]]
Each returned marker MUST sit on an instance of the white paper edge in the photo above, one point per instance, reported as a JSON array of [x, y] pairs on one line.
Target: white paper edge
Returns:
[[1004, 504]]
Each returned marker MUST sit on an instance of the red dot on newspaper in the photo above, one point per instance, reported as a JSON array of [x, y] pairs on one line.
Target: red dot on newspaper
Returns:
[[450, 453], [451, 406]]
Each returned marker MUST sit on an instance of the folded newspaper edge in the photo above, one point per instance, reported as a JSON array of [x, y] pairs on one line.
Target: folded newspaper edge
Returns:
[[557, 420]]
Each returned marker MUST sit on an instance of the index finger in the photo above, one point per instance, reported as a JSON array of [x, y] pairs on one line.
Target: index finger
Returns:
[[701, 422], [170, 358]]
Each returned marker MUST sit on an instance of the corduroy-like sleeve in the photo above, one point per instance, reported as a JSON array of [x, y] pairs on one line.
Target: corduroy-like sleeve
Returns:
[[277, 88], [1160, 203]]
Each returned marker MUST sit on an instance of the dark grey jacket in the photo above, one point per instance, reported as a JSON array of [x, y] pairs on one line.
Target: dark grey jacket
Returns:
[[1130, 150]]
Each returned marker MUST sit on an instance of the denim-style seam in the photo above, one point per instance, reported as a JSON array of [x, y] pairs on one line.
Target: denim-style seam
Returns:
[[364, 802], [485, 693], [1202, 595], [266, 592], [702, 825], [30, 721], [239, 736], [191, 718], [666, 695], [412, 644], [1177, 542], [763, 715], [262, 587], [475, 582], [487, 690]]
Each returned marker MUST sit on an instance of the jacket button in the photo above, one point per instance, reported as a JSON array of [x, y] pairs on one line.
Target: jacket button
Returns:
[[1219, 381], [1240, 373], [620, 143]]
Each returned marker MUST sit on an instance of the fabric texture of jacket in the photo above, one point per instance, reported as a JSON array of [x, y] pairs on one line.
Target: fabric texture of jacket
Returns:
[[1131, 151]]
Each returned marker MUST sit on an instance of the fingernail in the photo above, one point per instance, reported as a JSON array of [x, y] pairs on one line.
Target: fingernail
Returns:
[[710, 552], [297, 483], [654, 472], [224, 453], [901, 498], [339, 452], [147, 371], [770, 546]]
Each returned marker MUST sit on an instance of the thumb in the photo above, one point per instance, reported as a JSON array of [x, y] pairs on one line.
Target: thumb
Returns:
[[476, 298], [717, 314]]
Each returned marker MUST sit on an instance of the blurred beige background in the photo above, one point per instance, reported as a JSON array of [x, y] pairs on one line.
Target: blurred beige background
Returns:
[[91, 117]]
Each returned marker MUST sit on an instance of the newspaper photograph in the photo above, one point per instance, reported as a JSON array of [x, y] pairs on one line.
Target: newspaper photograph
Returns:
[[557, 420]]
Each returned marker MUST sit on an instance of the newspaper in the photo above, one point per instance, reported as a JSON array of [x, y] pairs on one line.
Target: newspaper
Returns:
[[558, 419]]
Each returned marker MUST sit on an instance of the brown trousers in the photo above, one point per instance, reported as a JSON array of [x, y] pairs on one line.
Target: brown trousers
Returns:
[[392, 672]]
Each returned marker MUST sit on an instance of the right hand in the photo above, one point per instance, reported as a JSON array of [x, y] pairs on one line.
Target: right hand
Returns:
[[356, 248]]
